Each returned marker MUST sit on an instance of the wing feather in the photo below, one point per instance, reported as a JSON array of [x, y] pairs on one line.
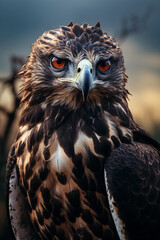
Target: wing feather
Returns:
[[120, 226], [132, 175]]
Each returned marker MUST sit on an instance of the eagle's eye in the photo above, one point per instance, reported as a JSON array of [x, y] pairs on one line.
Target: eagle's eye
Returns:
[[58, 63], [104, 65]]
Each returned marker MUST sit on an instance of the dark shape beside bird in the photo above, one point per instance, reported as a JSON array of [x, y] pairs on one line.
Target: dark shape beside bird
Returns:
[[80, 167]]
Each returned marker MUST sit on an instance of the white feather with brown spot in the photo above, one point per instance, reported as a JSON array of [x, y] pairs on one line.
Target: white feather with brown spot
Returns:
[[120, 226]]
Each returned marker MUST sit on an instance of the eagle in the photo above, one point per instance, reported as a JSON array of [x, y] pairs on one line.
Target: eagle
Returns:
[[80, 167]]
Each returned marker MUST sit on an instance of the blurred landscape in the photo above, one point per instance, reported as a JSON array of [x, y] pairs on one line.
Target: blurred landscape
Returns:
[[138, 32]]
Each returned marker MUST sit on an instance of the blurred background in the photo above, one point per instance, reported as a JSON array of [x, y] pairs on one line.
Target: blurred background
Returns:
[[136, 24]]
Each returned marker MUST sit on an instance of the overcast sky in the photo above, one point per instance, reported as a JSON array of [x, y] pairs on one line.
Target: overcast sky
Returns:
[[23, 21]]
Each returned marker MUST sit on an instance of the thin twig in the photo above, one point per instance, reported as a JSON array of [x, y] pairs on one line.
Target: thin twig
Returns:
[[134, 24]]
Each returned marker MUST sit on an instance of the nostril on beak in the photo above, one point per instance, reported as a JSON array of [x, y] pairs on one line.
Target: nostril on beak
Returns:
[[78, 70]]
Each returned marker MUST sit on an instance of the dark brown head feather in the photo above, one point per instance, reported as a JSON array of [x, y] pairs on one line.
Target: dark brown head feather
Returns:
[[72, 42], [98, 25], [70, 24]]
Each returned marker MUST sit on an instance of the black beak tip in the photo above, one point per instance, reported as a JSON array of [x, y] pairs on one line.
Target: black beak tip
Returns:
[[85, 92], [86, 86], [85, 96]]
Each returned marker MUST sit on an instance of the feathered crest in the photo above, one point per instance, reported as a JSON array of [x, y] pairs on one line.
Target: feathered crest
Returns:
[[70, 24], [98, 25]]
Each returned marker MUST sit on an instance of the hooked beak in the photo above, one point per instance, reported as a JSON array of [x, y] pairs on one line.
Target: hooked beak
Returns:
[[84, 78]]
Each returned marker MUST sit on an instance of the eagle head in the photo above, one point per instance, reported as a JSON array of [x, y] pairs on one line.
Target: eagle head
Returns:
[[72, 65]]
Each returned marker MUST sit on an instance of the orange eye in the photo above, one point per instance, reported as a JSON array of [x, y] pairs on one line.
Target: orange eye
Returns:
[[104, 66], [58, 63]]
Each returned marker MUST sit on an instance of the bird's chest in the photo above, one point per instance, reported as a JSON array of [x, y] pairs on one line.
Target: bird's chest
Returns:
[[64, 184], [77, 160], [77, 190]]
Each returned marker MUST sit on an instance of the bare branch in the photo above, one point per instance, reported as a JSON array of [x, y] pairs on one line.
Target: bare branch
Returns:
[[134, 24], [3, 110], [16, 63]]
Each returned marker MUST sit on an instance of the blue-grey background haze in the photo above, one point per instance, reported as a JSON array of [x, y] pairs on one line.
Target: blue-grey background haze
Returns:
[[21, 22]]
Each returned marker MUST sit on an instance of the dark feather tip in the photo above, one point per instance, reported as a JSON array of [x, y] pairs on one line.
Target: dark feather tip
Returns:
[[70, 24], [98, 25]]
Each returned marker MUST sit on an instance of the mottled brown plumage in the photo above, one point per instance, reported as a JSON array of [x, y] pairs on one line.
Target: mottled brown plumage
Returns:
[[75, 126]]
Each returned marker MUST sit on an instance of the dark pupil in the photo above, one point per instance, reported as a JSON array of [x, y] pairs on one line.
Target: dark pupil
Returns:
[[59, 61], [103, 64]]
